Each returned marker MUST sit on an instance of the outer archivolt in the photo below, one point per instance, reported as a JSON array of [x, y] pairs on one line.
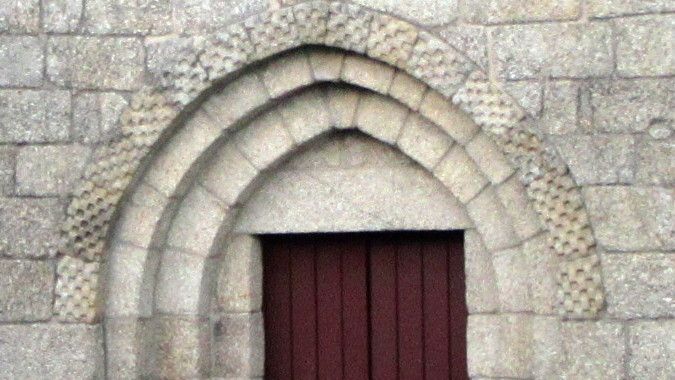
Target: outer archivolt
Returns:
[[155, 110]]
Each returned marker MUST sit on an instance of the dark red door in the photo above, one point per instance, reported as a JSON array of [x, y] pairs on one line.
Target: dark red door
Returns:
[[365, 306]]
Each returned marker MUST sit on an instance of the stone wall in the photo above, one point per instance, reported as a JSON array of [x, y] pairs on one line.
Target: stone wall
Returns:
[[595, 75]]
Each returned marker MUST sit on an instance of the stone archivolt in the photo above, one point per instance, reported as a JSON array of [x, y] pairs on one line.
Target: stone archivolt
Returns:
[[218, 58]]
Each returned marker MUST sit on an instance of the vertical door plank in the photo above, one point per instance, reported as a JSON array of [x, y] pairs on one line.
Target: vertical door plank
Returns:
[[329, 308], [409, 293], [383, 318], [304, 309], [436, 314], [355, 309], [277, 309], [458, 310]]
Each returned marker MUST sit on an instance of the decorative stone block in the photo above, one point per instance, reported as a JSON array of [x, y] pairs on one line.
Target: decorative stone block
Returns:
[[272, 32], [129, 17], [651, 350], [95, 63], [51, 351], [20, 16], [527, 94], [639, 285], [49, 170], [380, 117], [30, 227], [96, 116], [21, 60], [239, 345], [460, 174], [645, 46], [513, 11], [77, 290], [287, 73], [443, 113], [597, 350], [553, 49], [265, 140], [27, 291], [423, 141], [439, 65], [580, 286], [226, 52], [306, 115], [631, 105], [367, 73], [492, 221], [470, 40], [407, 90], [240, 276], [481, 282], [33, 116], [631, 218], [62, 16], [489, 158], [598, 159], [233, 175], [326, 65], [348, 27], [391, 40]]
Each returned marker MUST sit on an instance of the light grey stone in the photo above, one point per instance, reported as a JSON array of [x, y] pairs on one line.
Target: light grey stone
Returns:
[[21, 61], [306, 115], [513, 197], [95, 63], [133, 291], [481, 282], [179, 284], [458, 124], [30, 227], [631, 105], [423, 141], [265, 140], [51, 351], [644, 46], [287, 73], [639, 285], [342, 104], [598, 159], [367, 73], [559, 115], [49, 170], [541, 267], [549, 357], [631, 218], [595, 350], [407, 90], [180, 348], [31, 116], [7, 168], [62, 16], [380, 117], [492, 221], [229, 174], [239, 345], [128, 16], [500, 345], [652, 350], [460, 174], [656, 162], [198, 16], [326, 65], [240, 276], [527, 94], [512, 11], [471, 40], [661, 129], [20, 16], [96, 116], [513, 280], [427, 12], [489, 158], [609, 8], [557, 50], [27, 288], [238, 99], [122, 336]]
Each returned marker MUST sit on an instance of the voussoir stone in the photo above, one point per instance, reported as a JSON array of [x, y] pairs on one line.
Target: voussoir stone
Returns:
[[652, 350], [423, 141], [21, 60], [34, 116], [30, 227], [27, 288], [95, 63]]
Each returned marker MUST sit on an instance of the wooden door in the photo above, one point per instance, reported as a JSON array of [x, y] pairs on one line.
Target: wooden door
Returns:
[[364, 306]]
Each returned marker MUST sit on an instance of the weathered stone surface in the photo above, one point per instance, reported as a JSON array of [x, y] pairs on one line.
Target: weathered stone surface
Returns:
[[54, 351], [513, 197], [481, 281], [96, 116], [232, 175], [49, 170], [510, 11], [19, 16], [528, 94], [441, 111], [492, 221], [489, 158], [122, 336], [427, 12], [196, 16], [598, 159], [240, 276], [287, 73], [541, 268], [7, 167], [21, 61], [27, 290], [29, 227], [179, 283], [595, 350], [239, 345], [125, 267], [95, 63], [471, 40], [61, 16], [652, 350], [306, 115], [28, 116], [380, 117], [631, 105], [513, 278], [239, 98], [557, 50], [407, 90], [559, 115], [639, 285], [367, 73], [460, 174], [609, 8], [180, 347], [631, 218], [265, 140], [645, 46], [423, 141], [326, 65], [128, 16], [656, 162], [342, 104]]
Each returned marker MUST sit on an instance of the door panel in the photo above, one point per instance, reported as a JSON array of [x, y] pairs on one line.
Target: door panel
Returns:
[[360, 306]]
